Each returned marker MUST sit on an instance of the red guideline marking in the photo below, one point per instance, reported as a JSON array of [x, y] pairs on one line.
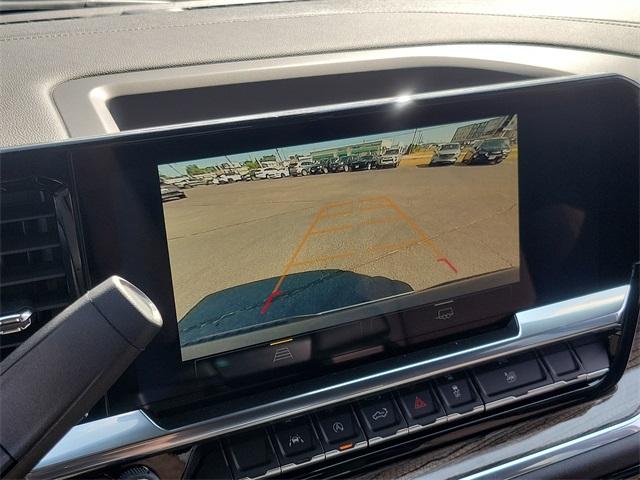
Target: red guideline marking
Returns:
[[446, 260], [269, 301]]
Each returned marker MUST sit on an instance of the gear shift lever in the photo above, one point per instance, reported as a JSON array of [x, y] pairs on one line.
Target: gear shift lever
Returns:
[[50, 381]]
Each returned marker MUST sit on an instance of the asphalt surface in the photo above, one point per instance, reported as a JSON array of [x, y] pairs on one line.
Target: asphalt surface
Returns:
[[361, 235]]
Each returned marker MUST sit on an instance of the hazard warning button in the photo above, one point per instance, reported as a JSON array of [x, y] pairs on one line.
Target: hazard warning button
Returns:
[[420, 403]]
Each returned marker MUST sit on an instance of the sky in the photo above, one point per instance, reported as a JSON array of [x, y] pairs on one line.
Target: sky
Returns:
[[436, 134]]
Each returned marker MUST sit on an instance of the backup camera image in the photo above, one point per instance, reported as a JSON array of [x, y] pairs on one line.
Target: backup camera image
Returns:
[[270, 237]]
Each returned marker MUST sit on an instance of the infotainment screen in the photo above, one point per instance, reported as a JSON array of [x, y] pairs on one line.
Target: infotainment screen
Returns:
[[294, 232], [304, 249]]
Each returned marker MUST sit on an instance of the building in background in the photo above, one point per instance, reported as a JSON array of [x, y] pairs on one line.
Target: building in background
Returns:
[[511, 129], [364, 148], [505, 126], [269, 161]]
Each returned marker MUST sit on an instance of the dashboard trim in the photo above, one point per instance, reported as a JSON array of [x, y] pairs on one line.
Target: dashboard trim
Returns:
[[134, 434], [142, 133], [82, 103]]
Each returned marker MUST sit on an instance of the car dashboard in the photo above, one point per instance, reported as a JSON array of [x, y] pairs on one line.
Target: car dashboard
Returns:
[[386, 240]]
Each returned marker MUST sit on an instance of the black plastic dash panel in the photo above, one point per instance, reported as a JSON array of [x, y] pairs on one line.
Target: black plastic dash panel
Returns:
[[299, 442]]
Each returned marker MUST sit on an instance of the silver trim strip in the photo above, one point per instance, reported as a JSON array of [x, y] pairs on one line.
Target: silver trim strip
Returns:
[[268, 474], [455, 416], [420, 427], [356, 446], [597, 374], [399, 433], [543, 389], [292, 466], [106, 441], [558, 453]]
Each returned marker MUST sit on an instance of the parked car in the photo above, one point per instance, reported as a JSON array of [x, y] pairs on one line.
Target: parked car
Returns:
[[447, 154], [260, 174], [270, 172], [247, 177], [490, 151], [320, 167], [171, 192], [390, 158], [186, 182], [302, 167], [339, 164], [229, 178], [366, 162], [213, 181]]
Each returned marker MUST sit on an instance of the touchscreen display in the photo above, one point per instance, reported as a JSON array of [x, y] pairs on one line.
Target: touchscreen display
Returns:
[[271, 237]]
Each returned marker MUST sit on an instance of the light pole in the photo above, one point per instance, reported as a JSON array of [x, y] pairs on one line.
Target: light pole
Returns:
[[175, 170], [413, 139], [279, 156]]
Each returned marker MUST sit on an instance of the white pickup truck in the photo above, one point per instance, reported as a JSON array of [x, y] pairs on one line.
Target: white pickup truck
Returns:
[[390, 158], [447, 154]]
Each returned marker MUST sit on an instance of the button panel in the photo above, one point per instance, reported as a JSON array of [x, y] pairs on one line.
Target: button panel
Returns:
[[381, 418], [458, 394], [510, 377], [339, 430], [251, 455], [561, 362], [594, 357], [298, 442], [420, 406]]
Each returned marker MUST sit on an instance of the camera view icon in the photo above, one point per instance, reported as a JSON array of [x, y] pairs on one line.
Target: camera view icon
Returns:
[[445, 313]]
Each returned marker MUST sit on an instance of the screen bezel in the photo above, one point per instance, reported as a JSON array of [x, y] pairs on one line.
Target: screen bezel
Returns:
[[123, 180]]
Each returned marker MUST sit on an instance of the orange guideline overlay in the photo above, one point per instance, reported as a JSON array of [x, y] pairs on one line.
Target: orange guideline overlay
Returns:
[[349, 208]]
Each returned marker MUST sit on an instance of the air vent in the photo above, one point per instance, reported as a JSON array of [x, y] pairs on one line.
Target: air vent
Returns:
[[40, 267]]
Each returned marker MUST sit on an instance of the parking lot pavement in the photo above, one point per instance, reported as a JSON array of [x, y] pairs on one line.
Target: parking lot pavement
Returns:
[[421, 226]]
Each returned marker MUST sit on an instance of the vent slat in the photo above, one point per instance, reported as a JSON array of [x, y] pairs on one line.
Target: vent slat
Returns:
[[48, 301], [25, 212], [34, 258], [29, 243], [30, 273]]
